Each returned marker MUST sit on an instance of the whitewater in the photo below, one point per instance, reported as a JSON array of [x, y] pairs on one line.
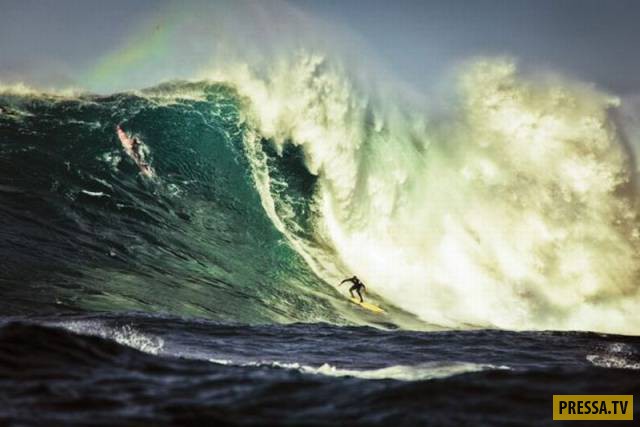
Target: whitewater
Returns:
[[516, 209], [489, 203]]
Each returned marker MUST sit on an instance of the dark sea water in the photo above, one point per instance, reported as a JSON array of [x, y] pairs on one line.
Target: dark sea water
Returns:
[[82, 370], [175, 300]]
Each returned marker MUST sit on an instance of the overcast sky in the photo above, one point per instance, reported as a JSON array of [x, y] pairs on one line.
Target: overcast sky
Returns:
[[49, 42]]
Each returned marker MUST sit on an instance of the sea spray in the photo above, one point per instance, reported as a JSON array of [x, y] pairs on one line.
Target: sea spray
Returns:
[[517, 212]]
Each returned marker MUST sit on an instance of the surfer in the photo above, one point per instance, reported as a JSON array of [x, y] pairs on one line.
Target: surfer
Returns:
[[135, 150], [357, 286], [133, 147]]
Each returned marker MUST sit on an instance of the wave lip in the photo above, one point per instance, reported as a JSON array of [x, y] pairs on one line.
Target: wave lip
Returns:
[[125, 335]]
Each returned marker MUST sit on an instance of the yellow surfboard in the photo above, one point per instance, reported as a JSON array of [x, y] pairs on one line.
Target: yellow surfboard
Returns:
[[371, 307]]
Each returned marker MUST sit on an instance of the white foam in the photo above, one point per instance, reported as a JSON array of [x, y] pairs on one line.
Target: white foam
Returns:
[[611, 361], [508, 214], [424, 371], [95, 193], [22, 89], [616, 355], [112, 158], [125, 335]]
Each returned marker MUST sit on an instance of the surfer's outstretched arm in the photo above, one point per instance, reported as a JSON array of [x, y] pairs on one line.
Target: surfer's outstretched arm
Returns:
[[346, 280]]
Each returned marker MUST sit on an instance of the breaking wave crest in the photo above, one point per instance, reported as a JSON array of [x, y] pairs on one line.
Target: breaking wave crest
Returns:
[[515, 208]]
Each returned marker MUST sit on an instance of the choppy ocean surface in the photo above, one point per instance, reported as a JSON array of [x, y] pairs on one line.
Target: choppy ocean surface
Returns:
[[204, 294], [153, 370]]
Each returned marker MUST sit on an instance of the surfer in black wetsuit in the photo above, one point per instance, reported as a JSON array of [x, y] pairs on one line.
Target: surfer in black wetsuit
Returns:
[[357, 286]]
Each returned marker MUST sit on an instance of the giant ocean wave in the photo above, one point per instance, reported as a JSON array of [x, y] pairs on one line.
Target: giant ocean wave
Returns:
[[516, 208]]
